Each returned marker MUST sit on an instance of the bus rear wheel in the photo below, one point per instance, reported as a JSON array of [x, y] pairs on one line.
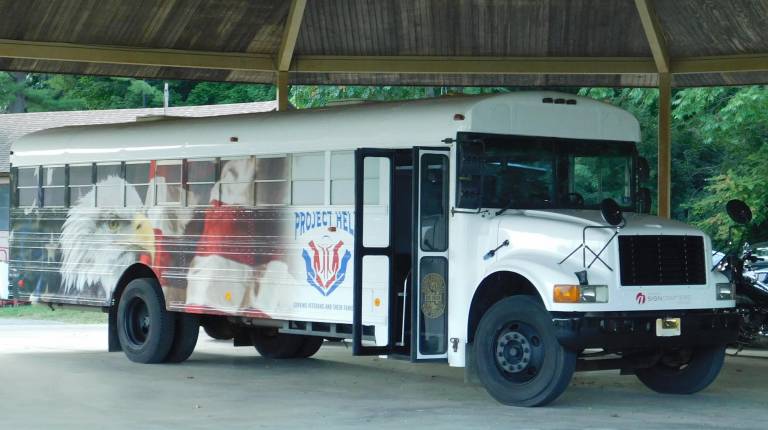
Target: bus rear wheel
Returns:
[[684, 371], [184, 338], [519, 360], [145, 328], [218, 328], [310, 346], [272, 344]]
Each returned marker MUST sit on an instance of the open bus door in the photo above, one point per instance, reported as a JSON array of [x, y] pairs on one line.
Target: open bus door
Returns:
[[383, 246], [429, 336], [374, 257], [401, 246]]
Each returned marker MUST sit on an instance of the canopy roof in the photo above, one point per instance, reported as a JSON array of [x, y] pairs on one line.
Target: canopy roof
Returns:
[[394, 42]]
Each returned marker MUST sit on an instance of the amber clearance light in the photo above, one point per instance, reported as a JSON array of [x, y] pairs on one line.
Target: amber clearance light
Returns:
[[567, 293]]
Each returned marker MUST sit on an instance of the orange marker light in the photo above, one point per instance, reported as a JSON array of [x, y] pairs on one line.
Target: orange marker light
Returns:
[[377, 302], [567, 294]]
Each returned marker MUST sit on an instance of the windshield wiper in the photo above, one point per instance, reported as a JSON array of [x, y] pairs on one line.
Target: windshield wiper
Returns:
[[506, 207]]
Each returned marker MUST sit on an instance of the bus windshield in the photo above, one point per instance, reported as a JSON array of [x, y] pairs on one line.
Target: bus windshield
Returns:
[[523, 172]]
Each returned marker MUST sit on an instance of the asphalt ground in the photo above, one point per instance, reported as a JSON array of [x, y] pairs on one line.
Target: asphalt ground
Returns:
[[59, 376]]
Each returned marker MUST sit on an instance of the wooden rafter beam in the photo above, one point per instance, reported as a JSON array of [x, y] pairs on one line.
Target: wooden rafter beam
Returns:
[[654, 35], [134, 56], [473, 65], [376, 64], [721, 64], [290, 34]]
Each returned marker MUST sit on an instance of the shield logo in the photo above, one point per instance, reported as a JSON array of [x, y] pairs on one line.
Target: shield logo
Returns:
[[326, 264]]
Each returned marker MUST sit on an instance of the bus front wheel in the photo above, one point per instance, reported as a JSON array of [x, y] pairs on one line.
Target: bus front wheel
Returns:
[[519, 360], [684, 371], [144, 326]]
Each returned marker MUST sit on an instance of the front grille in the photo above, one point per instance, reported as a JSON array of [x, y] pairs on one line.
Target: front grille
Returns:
[[662, 260]]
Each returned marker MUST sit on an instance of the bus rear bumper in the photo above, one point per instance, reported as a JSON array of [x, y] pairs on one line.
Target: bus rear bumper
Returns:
[[637, 330]]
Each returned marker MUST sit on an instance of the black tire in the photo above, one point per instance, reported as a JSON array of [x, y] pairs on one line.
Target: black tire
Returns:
[[519, 360], [685, 372], [310, 346], [184, 338], [145, 328], [218, 328], [271, 344]]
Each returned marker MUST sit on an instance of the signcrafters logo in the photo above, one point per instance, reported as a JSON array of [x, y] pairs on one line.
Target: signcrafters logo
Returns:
[[640, 298]]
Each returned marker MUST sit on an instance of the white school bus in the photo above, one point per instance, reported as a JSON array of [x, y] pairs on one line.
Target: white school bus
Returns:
[[504, 233]]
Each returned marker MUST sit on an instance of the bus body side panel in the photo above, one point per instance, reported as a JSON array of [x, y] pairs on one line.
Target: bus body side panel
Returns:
[[279, 262]]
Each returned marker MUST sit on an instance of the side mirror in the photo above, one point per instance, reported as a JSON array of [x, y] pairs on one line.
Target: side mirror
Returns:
[[738, 211], [611, 212], [644, 200], [643, 170]]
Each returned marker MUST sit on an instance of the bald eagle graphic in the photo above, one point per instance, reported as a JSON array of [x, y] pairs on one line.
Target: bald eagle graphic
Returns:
[[204, 256], [98, 242]]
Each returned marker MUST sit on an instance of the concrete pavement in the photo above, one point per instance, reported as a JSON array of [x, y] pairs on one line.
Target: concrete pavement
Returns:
[[58, 376]]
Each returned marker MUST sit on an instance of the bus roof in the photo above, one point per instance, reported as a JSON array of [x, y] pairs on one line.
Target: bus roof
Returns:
[[423, 122]]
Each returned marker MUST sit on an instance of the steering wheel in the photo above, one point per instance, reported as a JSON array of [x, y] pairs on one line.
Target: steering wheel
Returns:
[[575, 199]]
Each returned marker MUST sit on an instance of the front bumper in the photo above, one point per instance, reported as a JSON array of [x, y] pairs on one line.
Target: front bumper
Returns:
[[634, 330]]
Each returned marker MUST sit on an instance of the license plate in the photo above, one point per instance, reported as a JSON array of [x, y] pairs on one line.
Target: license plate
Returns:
[[667, 327]]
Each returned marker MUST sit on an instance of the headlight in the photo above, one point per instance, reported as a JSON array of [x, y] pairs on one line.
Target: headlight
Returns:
[[573, 293], [724, 291]]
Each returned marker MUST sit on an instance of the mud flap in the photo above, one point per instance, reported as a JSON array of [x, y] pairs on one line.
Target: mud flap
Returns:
[[242, 336], [113, 342], [470, 367]]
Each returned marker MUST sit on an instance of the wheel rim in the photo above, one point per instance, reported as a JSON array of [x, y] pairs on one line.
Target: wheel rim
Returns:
[[519, 352], [137, 322]]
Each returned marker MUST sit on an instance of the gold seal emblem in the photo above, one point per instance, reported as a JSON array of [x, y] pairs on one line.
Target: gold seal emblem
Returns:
[[433, 295]]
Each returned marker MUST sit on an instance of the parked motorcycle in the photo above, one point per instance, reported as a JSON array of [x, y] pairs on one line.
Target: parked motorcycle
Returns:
[[747, 269]]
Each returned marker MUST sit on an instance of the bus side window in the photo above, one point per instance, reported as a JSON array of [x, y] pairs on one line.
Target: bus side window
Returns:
[[81, 185], [201, 178], [343, 178], [5, 203], [271, 186], [168, 183], [109, 187], [27, 181], [137, 183], [54, 190], [236, 182], [308, 179]]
